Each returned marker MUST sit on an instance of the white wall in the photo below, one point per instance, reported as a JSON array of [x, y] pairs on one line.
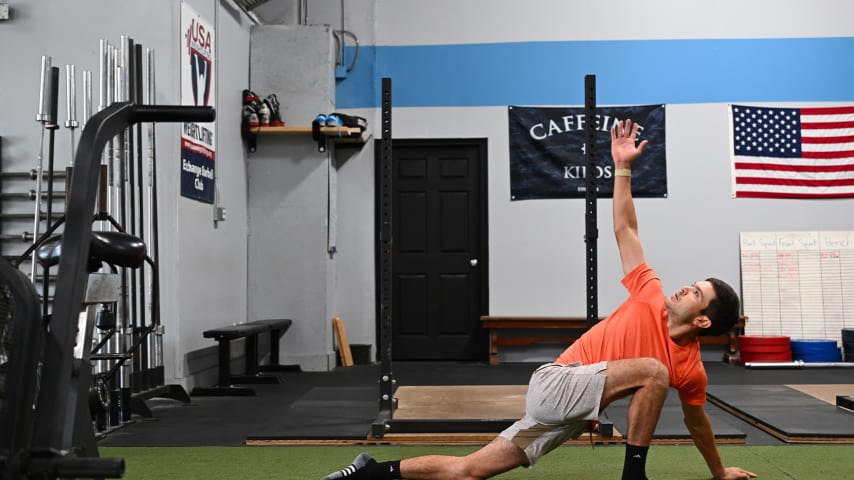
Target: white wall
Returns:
[[536, 247], [210, 270], [484, 21]]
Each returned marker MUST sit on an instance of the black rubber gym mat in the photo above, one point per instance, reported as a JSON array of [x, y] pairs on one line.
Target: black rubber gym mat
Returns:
[[324, 412], [784, 412], [325, 397], [670, 423]]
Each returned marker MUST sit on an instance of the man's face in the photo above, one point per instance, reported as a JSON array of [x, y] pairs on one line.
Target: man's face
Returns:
[[690, 300]]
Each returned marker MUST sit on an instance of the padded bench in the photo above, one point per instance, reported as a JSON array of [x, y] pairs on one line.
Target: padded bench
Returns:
[[250, 331], [494, 324]]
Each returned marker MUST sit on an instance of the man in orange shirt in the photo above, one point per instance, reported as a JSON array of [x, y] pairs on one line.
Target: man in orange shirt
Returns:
[[648, 344]]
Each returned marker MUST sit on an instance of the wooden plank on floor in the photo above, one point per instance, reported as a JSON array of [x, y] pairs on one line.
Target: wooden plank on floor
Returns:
[[456, 402], [825, 392], [464, 439], [431, 439], [343, 342]]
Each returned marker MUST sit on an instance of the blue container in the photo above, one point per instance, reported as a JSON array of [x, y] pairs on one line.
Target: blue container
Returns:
[[816, 350]]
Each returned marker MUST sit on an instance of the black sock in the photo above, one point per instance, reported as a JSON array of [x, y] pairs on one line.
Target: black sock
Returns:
[[366, 468], [634, 466], [355, 470], [377, 471], [384, 471]]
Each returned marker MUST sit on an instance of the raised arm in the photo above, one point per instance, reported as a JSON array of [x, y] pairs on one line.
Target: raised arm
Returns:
[[624, 151]]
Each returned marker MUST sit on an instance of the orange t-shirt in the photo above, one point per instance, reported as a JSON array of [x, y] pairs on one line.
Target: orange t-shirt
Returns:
[[638, 328]]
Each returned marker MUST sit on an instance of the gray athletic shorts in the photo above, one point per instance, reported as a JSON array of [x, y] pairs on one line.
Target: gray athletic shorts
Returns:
[[561, 400]]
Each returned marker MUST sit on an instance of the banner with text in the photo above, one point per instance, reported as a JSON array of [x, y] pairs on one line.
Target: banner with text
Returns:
[[198, 88], [547, 151]]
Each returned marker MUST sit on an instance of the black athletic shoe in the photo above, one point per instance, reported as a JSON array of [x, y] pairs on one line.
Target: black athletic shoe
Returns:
[[249, 122], [272, 103], [359, 463], [251, 104]]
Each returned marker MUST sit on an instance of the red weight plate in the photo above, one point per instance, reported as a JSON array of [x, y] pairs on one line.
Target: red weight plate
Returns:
[[763, 340]]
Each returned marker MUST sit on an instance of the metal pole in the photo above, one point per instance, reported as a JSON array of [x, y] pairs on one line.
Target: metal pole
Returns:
[[103, 98], [109, 151], [52, 125], [137, 95], [70, 106], [154, 250], [41, 117], [129, 225], [122, 149], [87, 98], [387, 381], [103, 68], [798, 364], [591, 231]]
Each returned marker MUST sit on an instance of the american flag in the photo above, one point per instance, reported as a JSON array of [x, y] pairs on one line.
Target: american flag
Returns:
[[792, 152]]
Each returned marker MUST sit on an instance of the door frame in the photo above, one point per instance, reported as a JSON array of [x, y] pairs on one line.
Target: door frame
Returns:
[[481, 144]]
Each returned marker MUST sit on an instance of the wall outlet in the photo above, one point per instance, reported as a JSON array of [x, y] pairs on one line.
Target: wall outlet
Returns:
[[4, 11], [219, 214]]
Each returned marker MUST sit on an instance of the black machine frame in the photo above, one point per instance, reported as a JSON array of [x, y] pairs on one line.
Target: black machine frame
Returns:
[[60, 440], [387, 383], [591, 234]]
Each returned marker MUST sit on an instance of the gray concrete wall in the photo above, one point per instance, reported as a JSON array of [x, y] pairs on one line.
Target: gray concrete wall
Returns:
[[290, 272]]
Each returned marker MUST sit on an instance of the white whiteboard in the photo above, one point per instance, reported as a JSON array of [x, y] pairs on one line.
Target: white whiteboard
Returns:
[[798, 284]]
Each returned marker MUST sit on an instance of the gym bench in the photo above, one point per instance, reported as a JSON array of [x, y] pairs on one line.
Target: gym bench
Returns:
[[529, 332], [250, 331], [533, 327], [278, 327]]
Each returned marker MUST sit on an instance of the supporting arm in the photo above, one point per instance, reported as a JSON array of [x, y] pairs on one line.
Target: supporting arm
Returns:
[[701, 432]]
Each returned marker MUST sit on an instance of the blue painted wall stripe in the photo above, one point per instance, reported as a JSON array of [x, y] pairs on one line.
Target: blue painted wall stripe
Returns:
[[627, 72]]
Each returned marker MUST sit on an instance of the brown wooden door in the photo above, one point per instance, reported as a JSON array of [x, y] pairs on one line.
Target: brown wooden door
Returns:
[[439, 249]]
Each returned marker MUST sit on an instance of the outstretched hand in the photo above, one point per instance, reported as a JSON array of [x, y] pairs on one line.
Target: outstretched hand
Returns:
[[736, 473], [623, 149]]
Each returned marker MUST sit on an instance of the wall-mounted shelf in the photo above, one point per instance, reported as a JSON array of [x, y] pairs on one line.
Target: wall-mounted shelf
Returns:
[[334, 134]]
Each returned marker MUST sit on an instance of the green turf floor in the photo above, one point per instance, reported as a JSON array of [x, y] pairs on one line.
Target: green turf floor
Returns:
[[802, 462]]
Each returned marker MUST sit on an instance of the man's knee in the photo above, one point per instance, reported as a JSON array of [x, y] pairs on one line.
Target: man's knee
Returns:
[[470, 470], [654, 372]]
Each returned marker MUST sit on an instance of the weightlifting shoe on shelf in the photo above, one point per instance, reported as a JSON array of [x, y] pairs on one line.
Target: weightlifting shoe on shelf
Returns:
[[272, 103], [263, 114], [333, 120], [251, 105]]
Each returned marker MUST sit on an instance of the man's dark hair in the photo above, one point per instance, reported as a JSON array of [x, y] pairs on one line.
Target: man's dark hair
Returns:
[[723, 310]]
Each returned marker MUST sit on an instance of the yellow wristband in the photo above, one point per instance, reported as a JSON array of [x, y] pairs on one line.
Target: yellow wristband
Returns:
[[623, 172]]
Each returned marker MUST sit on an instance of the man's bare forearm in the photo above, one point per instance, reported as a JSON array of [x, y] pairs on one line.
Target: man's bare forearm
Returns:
[[625, 217], [624, 151]]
